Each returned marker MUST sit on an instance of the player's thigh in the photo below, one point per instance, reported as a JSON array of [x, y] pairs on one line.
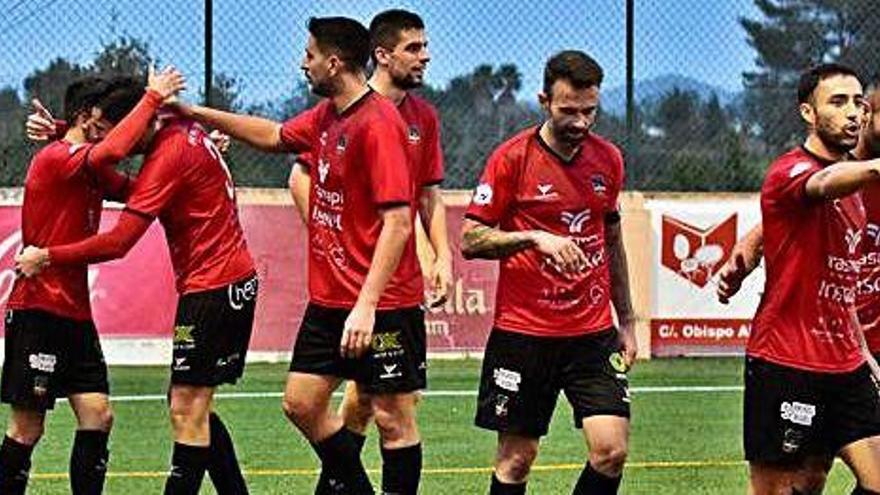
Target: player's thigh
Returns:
[[310, 389], [863, 458]]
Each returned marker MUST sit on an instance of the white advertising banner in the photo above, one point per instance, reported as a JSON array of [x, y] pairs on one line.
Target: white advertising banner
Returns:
[[692, 239]]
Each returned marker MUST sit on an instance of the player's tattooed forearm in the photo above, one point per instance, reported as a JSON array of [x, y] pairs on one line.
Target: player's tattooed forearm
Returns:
[[489, 243]]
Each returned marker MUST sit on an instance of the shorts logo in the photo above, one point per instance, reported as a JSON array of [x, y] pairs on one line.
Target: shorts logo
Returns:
[[183, 334], [798, 413], [390, 372], [617, 362], [792, 440], [507, 379], [43, 362], [483, 195], [384, 342], [501, 408], [241, 293], [179, 364]]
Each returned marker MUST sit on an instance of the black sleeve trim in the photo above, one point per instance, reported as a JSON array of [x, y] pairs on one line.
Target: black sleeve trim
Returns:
[[139, 213], [612, 217]]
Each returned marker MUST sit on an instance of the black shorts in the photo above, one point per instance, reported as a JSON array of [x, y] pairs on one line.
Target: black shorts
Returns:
[[395, 362], [212, 331], [523, 374], [49, 356], [791, 414]]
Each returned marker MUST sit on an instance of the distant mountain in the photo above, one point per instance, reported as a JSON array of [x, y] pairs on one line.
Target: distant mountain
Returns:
[[649, 91]]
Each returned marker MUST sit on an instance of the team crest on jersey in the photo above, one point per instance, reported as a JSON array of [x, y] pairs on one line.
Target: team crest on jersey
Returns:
[[600, 185], [413, 134], [341, 143]]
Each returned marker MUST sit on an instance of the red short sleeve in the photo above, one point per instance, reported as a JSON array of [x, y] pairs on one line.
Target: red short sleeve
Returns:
[[434, 153], [786, 184], [386, 162], [494, 193], [300, 132]]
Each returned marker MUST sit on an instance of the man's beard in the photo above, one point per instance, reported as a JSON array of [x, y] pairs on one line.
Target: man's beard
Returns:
[[835, 141], [407, 82]]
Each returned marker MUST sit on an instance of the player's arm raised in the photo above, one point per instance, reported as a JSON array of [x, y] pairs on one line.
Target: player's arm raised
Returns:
[[842, 179], [261, 133]]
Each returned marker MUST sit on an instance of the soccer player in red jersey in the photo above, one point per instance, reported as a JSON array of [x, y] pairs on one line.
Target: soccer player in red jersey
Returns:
[[400, 57], [358, 324], [547, 207], [747, 254], [185, 183], [52, 346]]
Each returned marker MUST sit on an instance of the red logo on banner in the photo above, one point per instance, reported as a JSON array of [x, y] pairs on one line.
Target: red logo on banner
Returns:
[[694, 253]]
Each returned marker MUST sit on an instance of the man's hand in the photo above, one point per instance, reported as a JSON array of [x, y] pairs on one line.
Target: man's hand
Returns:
[[31, 261], [357, 334], [40, 125], [441, 281], [627, 335], [563, 252], [731, 276], [221, 141], [167, 83]]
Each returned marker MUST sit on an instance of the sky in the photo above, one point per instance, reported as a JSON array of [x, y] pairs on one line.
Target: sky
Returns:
[[260, 42]]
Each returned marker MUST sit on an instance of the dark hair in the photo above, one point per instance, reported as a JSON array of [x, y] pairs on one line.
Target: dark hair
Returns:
[[574, 66], [81, 95], [346, 38], [122, 95], [811, 78], [385, 28]]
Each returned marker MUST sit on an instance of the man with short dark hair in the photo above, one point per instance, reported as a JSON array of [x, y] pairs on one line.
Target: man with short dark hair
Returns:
[[52, 346], [359, 323], [747, 254], [400, 57], [187, 186], [547, 207], [809, 391]]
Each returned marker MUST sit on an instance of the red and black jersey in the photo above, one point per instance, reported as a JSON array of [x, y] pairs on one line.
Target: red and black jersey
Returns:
[[869, 283], [186, 184], [527, 186], [358, 165], [62, 204], [813, 251]]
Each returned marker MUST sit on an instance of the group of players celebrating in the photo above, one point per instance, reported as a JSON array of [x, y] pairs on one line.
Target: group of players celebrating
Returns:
[[368, 168]]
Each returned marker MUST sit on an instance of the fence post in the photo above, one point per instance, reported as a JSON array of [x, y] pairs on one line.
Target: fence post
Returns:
[[630, 87], [209, 48]]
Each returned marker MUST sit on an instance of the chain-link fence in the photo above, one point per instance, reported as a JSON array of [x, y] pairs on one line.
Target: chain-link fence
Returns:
[[699, 94]]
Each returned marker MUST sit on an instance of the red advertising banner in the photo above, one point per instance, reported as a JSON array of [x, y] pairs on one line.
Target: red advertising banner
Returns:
[[135, 298]]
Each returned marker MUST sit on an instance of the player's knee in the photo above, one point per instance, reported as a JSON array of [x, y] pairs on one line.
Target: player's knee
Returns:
[[26, 432], [300, 410], [609, 459], [514, 465], [393, 424], [102, 419], [183, 414], [357, 412]]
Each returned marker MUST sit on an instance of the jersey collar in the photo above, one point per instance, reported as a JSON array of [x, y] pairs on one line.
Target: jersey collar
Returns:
[[561, 159]]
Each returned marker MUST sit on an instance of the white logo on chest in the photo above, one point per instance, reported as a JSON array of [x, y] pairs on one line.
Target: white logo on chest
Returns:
[[575, 221]]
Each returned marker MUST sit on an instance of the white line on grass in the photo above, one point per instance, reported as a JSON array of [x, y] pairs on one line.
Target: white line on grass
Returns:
[[433, 393]]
